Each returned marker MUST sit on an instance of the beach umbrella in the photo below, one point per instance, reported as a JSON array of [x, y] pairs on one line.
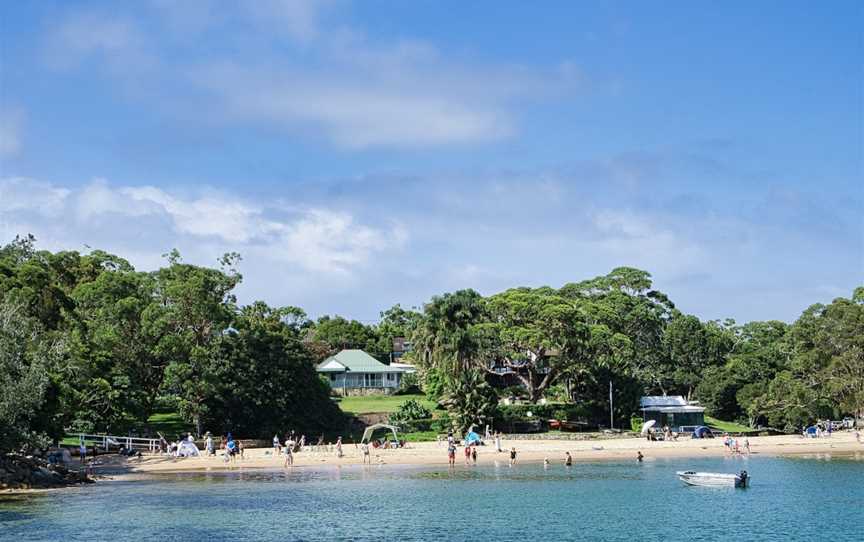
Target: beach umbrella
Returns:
[[648, 425]]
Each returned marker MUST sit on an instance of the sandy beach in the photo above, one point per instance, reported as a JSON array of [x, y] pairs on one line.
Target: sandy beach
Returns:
[[435, 454]]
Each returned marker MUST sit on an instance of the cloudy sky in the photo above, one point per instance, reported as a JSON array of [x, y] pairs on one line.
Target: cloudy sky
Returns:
[[360, 154]]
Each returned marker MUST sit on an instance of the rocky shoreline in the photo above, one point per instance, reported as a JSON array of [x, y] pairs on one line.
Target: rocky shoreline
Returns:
[[28, 472]]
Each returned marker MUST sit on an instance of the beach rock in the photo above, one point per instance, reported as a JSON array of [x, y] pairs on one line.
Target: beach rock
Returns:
[[19, 472]]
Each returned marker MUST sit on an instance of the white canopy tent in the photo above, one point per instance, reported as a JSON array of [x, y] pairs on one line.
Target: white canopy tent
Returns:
[[187, 448], [367, 434]]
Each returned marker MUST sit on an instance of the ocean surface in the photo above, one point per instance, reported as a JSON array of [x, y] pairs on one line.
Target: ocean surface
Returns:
[[817, 498]]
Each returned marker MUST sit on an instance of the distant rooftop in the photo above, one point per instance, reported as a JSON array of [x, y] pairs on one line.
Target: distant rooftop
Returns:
[[669, 403], [356, 361], [662, 400]]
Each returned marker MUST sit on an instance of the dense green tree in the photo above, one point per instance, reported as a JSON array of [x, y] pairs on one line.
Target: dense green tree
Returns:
[[628, 320], [470, 401], [692, 348], [28, 356], [536, 333], [263, 381], [332, 334], [197, 307], [119, 362], [395, 322], [445, 344]]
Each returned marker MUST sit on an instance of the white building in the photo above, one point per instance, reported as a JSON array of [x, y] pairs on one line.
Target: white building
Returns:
[[354, 372]]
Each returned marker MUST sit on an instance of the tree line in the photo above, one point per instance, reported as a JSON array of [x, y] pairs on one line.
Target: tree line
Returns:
[[89, 344], [572, 341]]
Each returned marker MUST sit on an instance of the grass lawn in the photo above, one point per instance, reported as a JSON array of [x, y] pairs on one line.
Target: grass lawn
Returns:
[[169, 424], [729, 427], [379, 403]]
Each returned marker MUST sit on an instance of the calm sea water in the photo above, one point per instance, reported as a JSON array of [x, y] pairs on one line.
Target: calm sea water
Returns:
[[790, 499]]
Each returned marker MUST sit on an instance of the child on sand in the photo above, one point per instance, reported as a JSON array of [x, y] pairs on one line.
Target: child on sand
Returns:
[[231, 448], [512, 456]]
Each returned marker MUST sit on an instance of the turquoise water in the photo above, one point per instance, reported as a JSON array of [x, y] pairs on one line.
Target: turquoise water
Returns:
[[790, 499]]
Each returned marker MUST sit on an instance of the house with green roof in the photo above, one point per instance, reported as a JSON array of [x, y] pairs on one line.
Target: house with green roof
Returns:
[[354, 372]]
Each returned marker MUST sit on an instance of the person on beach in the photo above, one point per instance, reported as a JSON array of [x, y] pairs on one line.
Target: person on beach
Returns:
[[339, 447], [231, 448], [639, 456], [498, 442], [858, 436], [289, 453], [208, 445], [512, 456], [240, 449], [277, 447], [747, 445], [474, 454], [568, 459], [451, 453], [364, 449], [82, 452], [467, 453]]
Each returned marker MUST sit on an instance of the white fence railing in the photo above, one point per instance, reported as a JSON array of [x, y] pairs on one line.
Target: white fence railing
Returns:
[[107, 441]]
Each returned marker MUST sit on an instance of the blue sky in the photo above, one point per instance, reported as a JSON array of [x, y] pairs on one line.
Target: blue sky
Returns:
[[360, 154]]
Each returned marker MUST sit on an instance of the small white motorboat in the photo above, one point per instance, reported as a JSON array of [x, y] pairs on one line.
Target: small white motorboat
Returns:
[[714, 479]]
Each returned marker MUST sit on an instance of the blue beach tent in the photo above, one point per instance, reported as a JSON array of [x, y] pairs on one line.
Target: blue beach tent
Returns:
[[702, 432], [472, 438]]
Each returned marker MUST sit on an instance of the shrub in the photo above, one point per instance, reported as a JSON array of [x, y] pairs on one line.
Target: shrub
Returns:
[[409, 411], [636, 424], [409, 384], [442, 424]]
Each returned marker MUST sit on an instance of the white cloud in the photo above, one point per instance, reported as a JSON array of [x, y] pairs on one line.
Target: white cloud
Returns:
[[11, 123], [117, 41], [300, 19], [627, 236], [23, 194], [313, 239], [357, 114], [293, 65]]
